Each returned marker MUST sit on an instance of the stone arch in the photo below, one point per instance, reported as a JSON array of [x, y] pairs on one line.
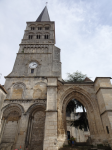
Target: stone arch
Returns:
[[18, 90], [12, 106], [40, 25], [35, 106], [90, 104], [30, 33], [47, 25], [10, 123], [35, 131], [31, 25]]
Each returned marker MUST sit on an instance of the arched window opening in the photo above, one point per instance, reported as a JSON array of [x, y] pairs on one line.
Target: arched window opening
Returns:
[[32, 71], [11, 118], [76, 121], [46, 36], [38, 36], [35, 129], [39, 28], [46, 28], [32, 28], [30, 36]]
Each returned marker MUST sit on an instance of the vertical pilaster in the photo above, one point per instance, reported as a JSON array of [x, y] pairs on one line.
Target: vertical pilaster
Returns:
[[22, 131], [103, 90], [2, 128], [50, 136]]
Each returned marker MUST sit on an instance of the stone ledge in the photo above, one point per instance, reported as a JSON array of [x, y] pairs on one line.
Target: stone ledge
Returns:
[[51, 111], [105, 112], [25, 100], [103, 88], [32, 76]]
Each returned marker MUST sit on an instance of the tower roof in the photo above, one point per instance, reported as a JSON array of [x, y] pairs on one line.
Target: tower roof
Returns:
[[44, 16]]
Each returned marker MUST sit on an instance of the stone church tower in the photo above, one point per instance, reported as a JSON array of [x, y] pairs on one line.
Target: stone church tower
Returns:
[[34, 98], [32, 87]]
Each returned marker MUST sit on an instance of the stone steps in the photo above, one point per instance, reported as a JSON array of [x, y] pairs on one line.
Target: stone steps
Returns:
[[84, 148]]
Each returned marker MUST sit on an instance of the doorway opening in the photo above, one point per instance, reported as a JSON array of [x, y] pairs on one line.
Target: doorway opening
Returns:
[[77, 121]]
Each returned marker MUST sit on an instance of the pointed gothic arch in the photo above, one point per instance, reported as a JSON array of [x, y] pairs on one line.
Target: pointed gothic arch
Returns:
[[94, 120]]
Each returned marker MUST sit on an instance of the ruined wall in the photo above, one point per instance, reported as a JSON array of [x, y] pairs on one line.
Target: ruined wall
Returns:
[[85, 93]]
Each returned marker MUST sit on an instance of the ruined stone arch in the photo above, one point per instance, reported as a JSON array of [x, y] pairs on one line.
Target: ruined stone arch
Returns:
[[89, 103], [11, 119]]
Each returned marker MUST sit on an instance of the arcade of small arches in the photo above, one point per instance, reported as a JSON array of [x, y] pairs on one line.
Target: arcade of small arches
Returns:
[[20, 124]]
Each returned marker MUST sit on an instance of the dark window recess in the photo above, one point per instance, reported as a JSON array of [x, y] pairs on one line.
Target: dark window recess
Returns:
[[46, 36], [38, 36], [39, 28], [32, 70], [32, 28], [30, 36], [46, 28], [85, 129], [68, 135], [68, 114], [107, 129]]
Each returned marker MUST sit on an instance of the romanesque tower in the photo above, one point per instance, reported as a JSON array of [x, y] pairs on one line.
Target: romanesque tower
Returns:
[[31, 106]]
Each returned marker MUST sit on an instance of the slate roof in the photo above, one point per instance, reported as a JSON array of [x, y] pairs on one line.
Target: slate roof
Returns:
[[44, 16], [87, 80]]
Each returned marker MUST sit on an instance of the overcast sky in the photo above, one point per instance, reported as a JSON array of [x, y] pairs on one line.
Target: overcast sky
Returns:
[[83, 33]]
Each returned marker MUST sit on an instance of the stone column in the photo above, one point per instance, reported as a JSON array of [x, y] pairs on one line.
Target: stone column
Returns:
[[103, 90], [22, 131], [50, 135], [2, 128]]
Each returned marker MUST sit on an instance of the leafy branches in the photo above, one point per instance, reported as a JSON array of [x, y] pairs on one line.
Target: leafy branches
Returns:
[[76, 77]]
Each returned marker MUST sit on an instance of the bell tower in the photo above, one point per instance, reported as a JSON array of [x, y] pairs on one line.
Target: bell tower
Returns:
[[32, 88], [38, 56]]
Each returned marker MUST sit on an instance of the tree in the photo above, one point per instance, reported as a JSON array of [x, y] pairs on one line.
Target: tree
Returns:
[[76, 77], [82, 122]]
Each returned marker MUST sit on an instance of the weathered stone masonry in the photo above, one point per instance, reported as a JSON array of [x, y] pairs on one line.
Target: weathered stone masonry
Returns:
[[33, 110]]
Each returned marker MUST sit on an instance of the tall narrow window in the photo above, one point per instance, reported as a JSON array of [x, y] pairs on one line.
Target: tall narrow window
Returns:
[[30, 36], [39, 28], [107, 129], [38, 36], [32, 70], [32, 28], [46, 36]]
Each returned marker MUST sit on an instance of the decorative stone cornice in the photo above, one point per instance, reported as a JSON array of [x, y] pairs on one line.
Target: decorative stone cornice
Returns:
[[25, 100], [31, 77]]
